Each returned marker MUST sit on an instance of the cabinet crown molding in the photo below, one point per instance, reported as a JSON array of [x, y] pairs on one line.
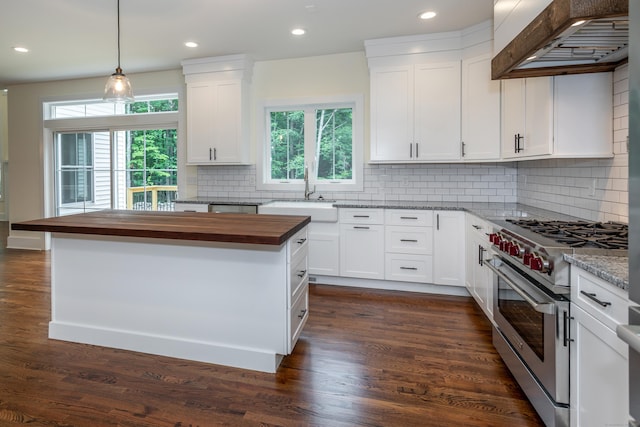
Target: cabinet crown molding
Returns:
[[237, 66]]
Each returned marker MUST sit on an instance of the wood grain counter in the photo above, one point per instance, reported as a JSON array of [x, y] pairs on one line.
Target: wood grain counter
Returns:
[[201, 226]]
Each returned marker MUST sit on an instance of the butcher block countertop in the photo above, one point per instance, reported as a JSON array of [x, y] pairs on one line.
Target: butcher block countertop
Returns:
[[200, 226]]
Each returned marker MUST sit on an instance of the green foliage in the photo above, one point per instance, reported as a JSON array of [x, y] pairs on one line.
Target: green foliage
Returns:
[[152, 154], [334, 132]]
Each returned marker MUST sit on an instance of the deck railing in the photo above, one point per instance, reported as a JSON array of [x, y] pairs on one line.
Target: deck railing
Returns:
[[154, 189]]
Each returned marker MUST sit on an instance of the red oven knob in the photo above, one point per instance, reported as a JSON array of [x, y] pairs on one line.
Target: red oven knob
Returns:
[[514, 250], [495, 238], [526, 259], [539, 264], [504, 245]]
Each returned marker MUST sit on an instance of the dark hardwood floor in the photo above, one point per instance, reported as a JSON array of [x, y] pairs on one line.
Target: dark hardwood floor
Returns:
[[365, 358]]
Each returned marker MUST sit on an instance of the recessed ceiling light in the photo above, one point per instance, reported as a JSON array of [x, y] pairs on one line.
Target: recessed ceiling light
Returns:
[[575, 24], [531, 58], [191, 44], [298, 31], [427, 15], [21, 49]]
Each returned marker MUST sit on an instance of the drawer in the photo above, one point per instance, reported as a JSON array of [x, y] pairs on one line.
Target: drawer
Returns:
[[612, 308], [409, 240], [298, 315], [191, 207], [299, 242], [409, 268], [361, 216], [298, 273], [408, 217]]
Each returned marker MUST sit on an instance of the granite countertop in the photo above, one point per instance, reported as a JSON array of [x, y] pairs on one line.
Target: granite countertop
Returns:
[[486, 211], [612, 269]]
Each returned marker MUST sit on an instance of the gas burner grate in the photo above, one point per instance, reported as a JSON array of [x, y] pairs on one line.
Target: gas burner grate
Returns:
[[579, 234]]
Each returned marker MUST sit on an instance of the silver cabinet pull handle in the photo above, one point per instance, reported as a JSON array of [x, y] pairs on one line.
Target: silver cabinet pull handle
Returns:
[[408, 217], [408, 268], [302, 313], [360, 227], [301, 241], [361, 216], [593, 298], [409, 240]]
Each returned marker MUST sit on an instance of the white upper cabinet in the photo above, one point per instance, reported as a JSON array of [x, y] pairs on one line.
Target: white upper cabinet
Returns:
[[437, 111], [480, 110], [218, 110], [561, 116], [415, 112], [527, 117]]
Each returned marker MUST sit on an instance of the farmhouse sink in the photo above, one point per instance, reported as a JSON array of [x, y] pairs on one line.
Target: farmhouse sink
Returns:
[[319, 211]]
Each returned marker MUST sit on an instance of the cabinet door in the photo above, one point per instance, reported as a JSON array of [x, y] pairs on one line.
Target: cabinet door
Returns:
[[513, 115], [538, 138], [324, 252], [214, 122], [599, 373], [480, 110], [391, 113], [437, 111], [449, 248], [362, 251], [200, 129], [527, 117], [227, 137]]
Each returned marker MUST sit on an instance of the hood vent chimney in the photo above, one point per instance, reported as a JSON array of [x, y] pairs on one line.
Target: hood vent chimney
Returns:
[[568, 37]]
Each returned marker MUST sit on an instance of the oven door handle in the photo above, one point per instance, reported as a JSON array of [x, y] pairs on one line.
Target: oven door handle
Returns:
[[544, 307]]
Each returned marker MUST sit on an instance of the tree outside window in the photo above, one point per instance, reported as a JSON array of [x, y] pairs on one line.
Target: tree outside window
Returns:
[[331, 148]]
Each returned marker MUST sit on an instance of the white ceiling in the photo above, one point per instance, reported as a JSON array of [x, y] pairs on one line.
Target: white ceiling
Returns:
[[77, 38]]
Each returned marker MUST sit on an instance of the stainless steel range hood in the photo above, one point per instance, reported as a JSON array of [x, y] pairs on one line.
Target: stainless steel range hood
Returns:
[[568, 37]]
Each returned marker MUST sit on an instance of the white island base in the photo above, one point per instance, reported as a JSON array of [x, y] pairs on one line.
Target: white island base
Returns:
[[240, 305]]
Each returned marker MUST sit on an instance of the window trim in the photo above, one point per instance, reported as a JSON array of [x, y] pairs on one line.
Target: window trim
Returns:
[[263, 181]]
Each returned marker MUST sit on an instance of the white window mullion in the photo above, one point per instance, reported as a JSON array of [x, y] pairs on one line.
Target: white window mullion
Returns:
[[310, 143]]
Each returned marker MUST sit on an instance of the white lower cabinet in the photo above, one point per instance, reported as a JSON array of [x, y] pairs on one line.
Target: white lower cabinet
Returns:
[[599, 359], [448, 248], [478, 278], [409, 245], [362, 243], [324, 248]]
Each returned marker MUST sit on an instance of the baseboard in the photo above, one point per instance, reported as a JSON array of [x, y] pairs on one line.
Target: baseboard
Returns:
[[26, 242], [426, 288], [207, 352]]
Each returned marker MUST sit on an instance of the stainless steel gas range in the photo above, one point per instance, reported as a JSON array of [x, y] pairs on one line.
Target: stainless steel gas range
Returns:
[[531, 304]]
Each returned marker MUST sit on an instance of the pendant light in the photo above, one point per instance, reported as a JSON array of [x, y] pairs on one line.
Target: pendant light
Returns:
[[118, 87]]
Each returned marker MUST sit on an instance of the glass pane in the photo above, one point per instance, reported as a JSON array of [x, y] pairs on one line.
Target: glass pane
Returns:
[[146, 169], [100, 108], [525, 320], [287, 144], [334, 141], [82, 172]]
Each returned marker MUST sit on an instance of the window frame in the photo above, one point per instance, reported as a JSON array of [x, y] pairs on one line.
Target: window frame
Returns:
[[98, 123], [266, 107]]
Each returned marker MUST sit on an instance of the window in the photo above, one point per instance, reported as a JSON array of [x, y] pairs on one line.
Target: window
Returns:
[[74, 171], [123, 164], [324, 138]]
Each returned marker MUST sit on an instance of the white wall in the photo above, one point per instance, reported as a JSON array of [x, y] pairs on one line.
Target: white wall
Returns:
[[29, 181], [595, 189], [4, 151]]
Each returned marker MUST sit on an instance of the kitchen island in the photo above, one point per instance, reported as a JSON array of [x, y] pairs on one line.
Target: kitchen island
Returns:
[[229, 289]]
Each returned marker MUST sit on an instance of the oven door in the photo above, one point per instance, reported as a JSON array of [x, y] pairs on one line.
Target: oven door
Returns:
[[535, 324]]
